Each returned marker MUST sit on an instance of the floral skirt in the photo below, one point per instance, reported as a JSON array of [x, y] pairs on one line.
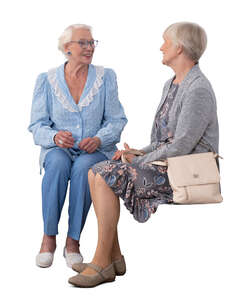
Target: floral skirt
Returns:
[[141, 186]]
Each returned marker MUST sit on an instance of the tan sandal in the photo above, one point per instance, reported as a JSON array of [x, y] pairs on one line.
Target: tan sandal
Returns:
[[103, 275], [119, 266]]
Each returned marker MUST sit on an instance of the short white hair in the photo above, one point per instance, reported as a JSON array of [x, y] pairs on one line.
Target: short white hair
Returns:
[[191, 36], [66, 36]]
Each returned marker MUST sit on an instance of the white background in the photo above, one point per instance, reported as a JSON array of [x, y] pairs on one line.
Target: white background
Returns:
[[182, 252]]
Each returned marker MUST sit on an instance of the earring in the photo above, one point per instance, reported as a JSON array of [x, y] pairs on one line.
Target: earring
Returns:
[[69, 53]]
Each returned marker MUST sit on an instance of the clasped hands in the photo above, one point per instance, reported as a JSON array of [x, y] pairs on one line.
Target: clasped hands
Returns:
[[64, 139], [129, 157]]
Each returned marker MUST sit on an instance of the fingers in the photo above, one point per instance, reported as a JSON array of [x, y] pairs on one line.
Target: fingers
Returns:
[[66, 136], [126, 146], [83, 143], [89, 144], [64, 139], [63, 143], [117, 155], [66, 145], [129, 157]]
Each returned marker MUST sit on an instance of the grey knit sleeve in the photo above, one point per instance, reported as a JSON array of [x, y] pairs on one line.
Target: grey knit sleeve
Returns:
[[192, 122], [149, 148]]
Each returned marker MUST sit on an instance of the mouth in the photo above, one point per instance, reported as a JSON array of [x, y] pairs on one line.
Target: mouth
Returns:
[[87, 55]]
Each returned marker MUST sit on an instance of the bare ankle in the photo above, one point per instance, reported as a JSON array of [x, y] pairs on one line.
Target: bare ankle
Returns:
[[116, 254], [102, 261], [48, 243], [72, 245], [116, 257]]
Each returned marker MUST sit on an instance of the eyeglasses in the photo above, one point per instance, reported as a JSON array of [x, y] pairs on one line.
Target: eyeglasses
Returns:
[[85, 43]]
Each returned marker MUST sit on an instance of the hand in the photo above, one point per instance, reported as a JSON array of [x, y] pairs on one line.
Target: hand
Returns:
[[64, 139], [118, 154], [90, 144], [129, 157]]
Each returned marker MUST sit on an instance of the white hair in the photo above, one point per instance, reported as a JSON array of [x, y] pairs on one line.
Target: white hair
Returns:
[[190, 36], [66, 36]]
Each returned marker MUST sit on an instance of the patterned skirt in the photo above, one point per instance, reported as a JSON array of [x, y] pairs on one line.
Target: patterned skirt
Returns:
[[141, 186]]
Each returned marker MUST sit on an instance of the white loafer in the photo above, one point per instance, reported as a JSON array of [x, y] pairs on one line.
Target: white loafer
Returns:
[[72, 258], [45, 259]]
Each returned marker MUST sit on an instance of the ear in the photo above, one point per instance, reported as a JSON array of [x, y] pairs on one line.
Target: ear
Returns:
[[179, 49], [66, 47]]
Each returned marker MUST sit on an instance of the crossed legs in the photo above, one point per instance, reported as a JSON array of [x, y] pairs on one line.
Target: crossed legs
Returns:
[[107, 208]]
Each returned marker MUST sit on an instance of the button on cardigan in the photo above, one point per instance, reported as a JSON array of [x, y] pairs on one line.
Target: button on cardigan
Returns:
[[98, 113]]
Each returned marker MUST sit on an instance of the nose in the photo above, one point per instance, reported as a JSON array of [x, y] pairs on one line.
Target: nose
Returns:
[[90, 46], [88, 50]]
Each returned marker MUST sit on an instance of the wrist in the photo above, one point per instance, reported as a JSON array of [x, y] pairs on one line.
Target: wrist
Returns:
[[54, 138]]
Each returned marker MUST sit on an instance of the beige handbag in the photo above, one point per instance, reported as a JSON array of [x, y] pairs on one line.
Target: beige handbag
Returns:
[[194, 178]]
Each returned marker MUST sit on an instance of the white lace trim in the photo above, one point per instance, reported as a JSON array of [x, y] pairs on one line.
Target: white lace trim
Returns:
[[87, 100], [94, 90], [57, 91]]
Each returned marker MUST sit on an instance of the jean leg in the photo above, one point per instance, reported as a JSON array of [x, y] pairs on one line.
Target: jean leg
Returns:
[[80, 199], [57, 167]]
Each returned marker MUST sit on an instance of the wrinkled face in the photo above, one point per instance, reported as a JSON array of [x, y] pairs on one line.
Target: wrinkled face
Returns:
[[80, 53], [169, 50]]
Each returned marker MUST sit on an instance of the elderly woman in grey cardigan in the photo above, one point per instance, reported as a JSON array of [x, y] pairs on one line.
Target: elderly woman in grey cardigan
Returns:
[[185, 122]]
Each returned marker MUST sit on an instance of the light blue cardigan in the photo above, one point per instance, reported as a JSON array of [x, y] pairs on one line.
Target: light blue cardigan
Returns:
[[98, 113]]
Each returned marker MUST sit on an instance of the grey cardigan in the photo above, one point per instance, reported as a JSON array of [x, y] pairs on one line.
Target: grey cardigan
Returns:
[[192, 120]]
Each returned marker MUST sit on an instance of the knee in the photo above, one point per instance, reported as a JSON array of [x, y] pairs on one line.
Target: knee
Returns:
[[82, 165], [58, 162], [79, 170], [99, 180], [91, 176]]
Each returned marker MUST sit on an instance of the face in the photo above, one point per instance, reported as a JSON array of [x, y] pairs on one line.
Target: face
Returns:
[[80, 54], [169, 50]]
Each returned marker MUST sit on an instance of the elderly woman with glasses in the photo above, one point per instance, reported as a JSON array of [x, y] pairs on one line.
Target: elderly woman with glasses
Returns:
[[77, 120], [186, 122]]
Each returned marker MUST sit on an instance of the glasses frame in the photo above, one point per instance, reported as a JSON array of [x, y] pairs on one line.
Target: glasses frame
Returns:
[[85, 43]]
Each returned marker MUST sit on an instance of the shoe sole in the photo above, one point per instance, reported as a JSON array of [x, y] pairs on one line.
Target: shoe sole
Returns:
[[92, 286], [120, 274], [43, 266]]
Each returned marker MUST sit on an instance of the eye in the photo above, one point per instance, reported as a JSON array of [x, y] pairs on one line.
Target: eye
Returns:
[[82, 43]]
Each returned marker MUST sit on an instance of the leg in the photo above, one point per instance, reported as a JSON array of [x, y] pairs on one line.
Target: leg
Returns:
[[54, 186], [116, 252], [107, 208], [79, 200]]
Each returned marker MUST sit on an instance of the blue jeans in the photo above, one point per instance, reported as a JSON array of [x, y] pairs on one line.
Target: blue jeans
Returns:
[[59, 169]]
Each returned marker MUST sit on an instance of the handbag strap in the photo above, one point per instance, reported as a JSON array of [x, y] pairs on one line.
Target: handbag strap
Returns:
[[210, 149], [164, 162], [207, 146]]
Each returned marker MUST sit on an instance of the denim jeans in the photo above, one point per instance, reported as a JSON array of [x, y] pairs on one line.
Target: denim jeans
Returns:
[[59, 169]]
